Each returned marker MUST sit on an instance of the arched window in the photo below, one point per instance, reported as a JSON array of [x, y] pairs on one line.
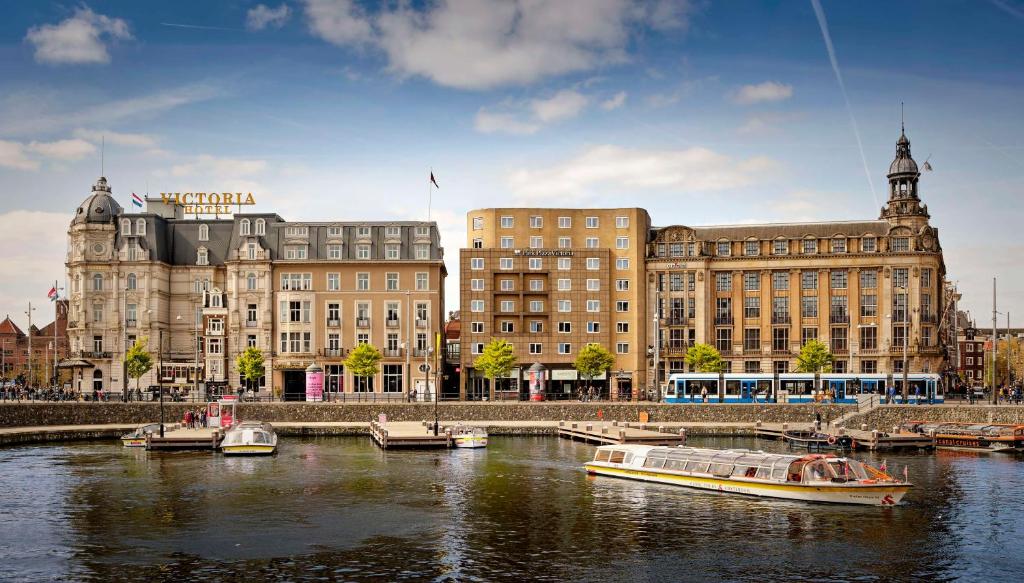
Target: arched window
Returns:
[[215, 301], [140, 227], [261, 227], [97, 380], [97, 282], [243, 227], [202, 256], [126, 227], [250, 281], [204, 232], [132, 281]]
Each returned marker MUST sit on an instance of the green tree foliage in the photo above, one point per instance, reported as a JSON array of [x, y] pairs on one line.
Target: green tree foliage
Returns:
[[138, 360], [814, 357], [704, 358], [364, 360], [593, 360], [497, 360], [251, 365], [1006, 352]]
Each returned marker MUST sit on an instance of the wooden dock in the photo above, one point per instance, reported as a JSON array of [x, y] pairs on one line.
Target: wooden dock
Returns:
[[616, 433], [185, 439], [408, 434], [879, 440]]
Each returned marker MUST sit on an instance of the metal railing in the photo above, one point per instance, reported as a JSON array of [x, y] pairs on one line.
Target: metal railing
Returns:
[[362, 322], [332, 352], [839, 319], [780, 319], [421, 323], [251, 323], [392, 352], [391, 322], [723, 320]]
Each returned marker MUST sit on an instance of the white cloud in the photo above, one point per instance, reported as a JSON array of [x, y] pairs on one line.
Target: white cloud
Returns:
[[121, 139], [34, 245], [614, 102], [338, 22], [767, 122], [206, 166], [481, 44], [77, 40], [613, 168], [488, 122], [762, 92], [563, 105], [74, 149], [263, 16], [12, 155]]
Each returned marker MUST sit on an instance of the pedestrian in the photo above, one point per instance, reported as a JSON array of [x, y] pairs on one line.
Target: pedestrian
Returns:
[[817, 420], [703, 394]]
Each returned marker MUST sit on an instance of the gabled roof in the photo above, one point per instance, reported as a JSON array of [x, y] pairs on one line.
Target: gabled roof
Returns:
[[9, 327]]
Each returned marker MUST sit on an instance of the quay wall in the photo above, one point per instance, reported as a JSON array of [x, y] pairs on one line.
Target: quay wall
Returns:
[[888, 416], [42, 414]]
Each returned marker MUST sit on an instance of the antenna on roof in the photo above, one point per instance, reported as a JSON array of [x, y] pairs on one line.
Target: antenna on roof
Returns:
[[103, 147], [901, 118]]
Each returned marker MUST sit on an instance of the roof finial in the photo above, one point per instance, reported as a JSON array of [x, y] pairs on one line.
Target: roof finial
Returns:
[[902, 130], [103, 147]]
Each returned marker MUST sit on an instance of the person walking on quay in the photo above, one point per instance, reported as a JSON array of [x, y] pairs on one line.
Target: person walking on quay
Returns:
[[817, 420], [703, 394]]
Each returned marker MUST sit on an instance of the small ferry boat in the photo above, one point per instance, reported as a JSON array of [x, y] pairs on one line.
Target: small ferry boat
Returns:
[[990, 437], [815, 440], [469, 437], [137, 438], [249, 438], [813, 477]]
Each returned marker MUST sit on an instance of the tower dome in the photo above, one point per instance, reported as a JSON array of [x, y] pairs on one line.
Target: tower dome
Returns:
[[903, 163], [99, 206]]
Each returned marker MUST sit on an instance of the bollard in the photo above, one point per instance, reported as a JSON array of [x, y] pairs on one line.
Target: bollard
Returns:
[[604, 431], [682, 434], [757, 423], [643, 427], [424, 422], [561, 423], [614, 423], [590, 427], [622, 435], [573, 426], [863, 426], [785, 426], [661, 429]]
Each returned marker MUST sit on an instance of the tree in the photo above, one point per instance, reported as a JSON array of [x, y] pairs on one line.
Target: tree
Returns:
[[1006, 352], [593, 360], [704, 358], [497, 360], [251, 365], [138, 360], [814, 357], [363, 361]]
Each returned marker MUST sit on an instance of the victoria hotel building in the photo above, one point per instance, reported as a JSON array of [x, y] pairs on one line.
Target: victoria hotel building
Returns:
[[552, 280]]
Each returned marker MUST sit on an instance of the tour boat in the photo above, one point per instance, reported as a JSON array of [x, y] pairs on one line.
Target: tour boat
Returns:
[[814, 440], [137, 438], [471, 437], [991, 437], [249, 438], [812, 478]]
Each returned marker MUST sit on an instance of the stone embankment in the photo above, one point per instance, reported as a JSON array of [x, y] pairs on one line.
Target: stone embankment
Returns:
[[888, 416]]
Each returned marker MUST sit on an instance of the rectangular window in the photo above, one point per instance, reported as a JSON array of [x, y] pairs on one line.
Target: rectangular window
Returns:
[[391, 281], [564, 348], [392, 251], [810, 246], [780, 247], [593, 327], [593, 263], [536, 326], [476, 327], [809, 307], [536, 306], [622, 242], [476, 305], [752, 339], [868, 244], [780, 280], [593, 285], [507, 284], [507, 326], [333, 282], [536, 285], [838, 279], [622, 285], [478, 223], [564, 243], [422, 252], [752, 307], [591, 242], [899, 244], [536, 263], [839, 245], [751, 281], [723, 281], [868, 279], [808, 280], [622, 327], [564, 263], [333, 252], [751, 248], [808, 334], [507, 243], [564, 222], [536, 242], [564, 284], [926, 278], [592, 222], [622, 347], [839, 340], [723, 249], [621, 222], [363, 232], [900, 277], [869, 338], [564, 306], [536, 222], [868, 305], [296, 232], [622, 263], [505, 263], [362, 251], [621, 306], [593, 305], [506, 222], [723, 340], [536, 347], [393, 378], [476, 263], [839, 309], [362, 281], [507, 306], [422, 281]]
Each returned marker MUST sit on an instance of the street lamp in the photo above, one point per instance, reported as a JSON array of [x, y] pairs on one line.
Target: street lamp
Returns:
[[906, 340]]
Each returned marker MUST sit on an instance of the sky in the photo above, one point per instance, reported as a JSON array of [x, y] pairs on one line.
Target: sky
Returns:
[[701, 112]]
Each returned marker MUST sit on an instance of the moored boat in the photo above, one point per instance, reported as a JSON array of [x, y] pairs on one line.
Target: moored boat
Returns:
[[813, 478], [987, 437], [249, 438], [137, 438], [469, 437], [815, 440]]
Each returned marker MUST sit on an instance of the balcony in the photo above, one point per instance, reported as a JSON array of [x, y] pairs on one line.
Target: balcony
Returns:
[[840, 350], [419, 352], [251, 324], [131, 322], [421, 323], [839, 319], [776, 351], [723, 320], [780, 319], [93, 354], [362, 322], [332, 352], [392, 352], [868, 351], [675, 321], [749, 351], [391, 322], [898, 349]]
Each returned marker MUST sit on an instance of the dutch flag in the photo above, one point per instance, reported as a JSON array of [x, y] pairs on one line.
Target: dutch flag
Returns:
[[136, 200]]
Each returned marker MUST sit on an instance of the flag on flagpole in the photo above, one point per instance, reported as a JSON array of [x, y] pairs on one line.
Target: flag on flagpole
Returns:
[[136, 200], [433, 180], [52, 294]]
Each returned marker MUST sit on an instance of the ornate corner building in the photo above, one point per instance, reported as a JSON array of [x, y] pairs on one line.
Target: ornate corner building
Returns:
[[201, 291], [868, 289]]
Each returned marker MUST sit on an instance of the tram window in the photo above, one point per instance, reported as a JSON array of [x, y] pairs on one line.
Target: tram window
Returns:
[[732, 387], [764, 387]]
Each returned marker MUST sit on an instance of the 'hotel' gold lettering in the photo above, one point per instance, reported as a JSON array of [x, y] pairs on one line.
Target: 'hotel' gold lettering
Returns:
[[207, 203]]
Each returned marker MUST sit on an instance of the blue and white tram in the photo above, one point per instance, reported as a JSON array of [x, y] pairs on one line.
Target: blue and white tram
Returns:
[[924, 388], [749, 388], [798, 387], [689, 387]]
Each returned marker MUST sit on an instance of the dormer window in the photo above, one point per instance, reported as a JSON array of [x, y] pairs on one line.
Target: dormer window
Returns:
[[839, 245], [204, 232], [869, 244], [780, 247], [202, 256], [751, 248], [126, 227], [243, 227], [261, 227], [140, 227]]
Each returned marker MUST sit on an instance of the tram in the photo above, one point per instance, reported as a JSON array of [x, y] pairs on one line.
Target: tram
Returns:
[[798, 387]]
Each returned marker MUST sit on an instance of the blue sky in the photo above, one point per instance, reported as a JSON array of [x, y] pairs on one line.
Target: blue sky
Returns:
[[701, 112]]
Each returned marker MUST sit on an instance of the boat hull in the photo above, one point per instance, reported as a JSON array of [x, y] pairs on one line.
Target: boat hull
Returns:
[[870, 495], [248, 449], [133, 441], [470, 441]]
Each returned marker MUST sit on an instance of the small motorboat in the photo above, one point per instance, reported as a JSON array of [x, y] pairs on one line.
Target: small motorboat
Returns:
[[137, 438], [815, 440], [813, 477], [470, 437], [249, 438]]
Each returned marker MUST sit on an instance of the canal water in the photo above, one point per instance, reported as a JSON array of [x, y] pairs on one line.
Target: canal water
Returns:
[[340, 509]]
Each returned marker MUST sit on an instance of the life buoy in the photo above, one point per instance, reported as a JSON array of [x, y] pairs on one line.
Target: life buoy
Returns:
[[831, 440]]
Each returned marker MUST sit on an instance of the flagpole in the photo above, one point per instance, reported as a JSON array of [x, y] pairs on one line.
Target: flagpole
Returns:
[[430, 193]]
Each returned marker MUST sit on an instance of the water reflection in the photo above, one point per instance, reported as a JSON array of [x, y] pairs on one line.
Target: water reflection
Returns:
[[339, 508]]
